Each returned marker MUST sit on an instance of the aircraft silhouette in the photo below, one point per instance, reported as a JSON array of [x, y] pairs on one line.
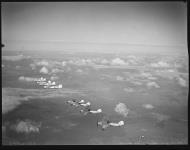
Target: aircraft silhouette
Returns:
[[85, 107], [105, 122]]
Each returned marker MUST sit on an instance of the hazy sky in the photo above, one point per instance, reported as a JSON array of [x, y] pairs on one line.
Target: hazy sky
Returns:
[[41, 23]]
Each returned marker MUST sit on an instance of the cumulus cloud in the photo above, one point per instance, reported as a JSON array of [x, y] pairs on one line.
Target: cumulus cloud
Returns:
[[43, 63], [152, 78], [161, 64], [44, 70], [128, 90], [15, 58], [50, 64], [119, 78], [33, 66], [132, 62], [122, 109], [79, 71], [64, 63], [54, 78], [89, 61], [56, 70], [132, 57], [27, 126], [104, 62], [152, 84], [82, 62], [146, 74], [171, 70], [182, 82], [118, 61], [169, 74], [18, 67], [148, 106], [136, 83], [27, 79]]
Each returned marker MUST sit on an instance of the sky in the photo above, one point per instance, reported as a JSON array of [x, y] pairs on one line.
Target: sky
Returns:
[[92, 25]]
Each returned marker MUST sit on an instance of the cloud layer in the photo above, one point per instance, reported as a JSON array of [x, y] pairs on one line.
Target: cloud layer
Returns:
[[14, 58]]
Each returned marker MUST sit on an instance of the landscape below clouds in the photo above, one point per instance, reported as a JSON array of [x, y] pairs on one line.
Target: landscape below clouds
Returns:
[[150, 95]]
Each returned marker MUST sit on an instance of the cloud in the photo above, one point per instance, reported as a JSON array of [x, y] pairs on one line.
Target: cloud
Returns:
[[104, 62], [182, 82], [128, 90], [81, 62], [169, 74], [42, 63], [147, 106], [56, 70], [15, 58], [79, 71], [132, 57], [27, 79], [54, 78], [152, 78], [133, 60], [152, 84], [118, 61], [18, 67], [64, 63], [2, 65], [44, 70], [119, 78], [33, 66], [27, 126], [136, 83], [146, 74], [122, 109], [160, 64], [50, 64]]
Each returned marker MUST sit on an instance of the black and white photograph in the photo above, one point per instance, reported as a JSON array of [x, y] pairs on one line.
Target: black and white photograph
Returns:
[[94, 73]]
